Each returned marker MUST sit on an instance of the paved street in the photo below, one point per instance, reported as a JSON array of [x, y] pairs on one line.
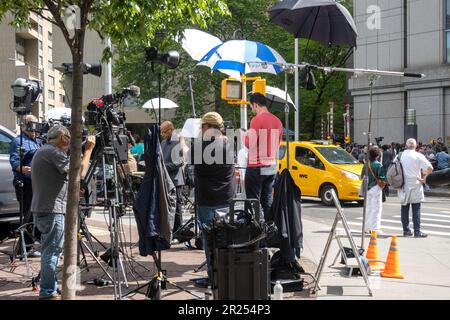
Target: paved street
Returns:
[[435, 218]]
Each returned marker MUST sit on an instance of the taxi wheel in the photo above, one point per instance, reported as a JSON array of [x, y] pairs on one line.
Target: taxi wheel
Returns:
[[325, 195]]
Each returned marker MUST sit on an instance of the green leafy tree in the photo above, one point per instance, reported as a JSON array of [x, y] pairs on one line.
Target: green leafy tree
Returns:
[[132, 21], [248, 20]]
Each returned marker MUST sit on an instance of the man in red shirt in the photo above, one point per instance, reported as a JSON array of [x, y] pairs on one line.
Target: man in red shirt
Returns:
[[263, 141]]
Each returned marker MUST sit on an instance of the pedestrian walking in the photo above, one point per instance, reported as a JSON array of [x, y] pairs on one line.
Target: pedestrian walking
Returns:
[[415, 169]]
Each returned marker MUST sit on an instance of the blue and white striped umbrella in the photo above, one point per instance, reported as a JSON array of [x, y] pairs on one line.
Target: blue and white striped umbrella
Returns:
[[237, 57]]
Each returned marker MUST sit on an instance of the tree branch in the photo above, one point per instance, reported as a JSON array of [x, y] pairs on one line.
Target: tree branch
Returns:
[[55, 11]]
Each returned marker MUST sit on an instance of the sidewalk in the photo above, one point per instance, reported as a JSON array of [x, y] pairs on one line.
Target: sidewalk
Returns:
[[425, 263]]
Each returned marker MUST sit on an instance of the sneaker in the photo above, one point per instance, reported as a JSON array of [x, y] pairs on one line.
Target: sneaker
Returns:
[[175, 241], [420, 235], [34, 254], [407, 233]]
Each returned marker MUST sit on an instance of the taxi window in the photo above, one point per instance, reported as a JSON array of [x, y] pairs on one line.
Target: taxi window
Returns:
[[308, 158]]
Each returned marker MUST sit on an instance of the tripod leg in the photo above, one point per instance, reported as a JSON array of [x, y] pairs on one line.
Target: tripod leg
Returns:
[[97, 261], [200, 267], [24, 251]]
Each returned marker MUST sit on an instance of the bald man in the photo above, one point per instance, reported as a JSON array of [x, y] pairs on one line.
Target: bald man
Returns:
[[30, 144], [174, 164]]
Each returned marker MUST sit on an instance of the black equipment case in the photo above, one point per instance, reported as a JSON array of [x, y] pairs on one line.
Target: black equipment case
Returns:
[[241, 269], [242, 275]]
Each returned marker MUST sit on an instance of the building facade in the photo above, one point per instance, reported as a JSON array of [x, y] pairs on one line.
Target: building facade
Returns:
[[410, 36], [28, 53]]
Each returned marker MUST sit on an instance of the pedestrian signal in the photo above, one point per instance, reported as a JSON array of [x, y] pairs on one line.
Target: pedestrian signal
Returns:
[[232, 91]]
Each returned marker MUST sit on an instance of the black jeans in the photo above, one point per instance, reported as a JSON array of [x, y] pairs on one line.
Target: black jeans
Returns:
[[259, 187], [415, 216], [26, 206], [179, 209]]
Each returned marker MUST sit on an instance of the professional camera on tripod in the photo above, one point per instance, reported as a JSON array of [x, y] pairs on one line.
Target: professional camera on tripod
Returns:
[[104, 115]]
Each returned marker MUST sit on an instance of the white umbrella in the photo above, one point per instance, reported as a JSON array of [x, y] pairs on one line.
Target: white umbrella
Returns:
[[279, 96], [58, 113], [198, 43], [165, 104]]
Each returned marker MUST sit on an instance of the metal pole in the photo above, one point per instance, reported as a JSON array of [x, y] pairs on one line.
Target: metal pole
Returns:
[[244, 107], [192, 96], [108, 70], [286, 111], [372, 79], [297, 95]]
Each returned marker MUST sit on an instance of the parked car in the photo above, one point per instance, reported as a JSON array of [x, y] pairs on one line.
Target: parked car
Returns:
[[9, 207], [319, 166]]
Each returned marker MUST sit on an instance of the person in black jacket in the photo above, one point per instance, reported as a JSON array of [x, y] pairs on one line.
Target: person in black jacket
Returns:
[[173, 159], [213, 158]]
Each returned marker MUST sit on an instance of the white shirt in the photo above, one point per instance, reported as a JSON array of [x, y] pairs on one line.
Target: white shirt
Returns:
[[413, 163]]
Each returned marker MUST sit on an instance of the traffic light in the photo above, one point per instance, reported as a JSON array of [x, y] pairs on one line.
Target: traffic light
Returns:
[[259, 86], [232, 91], [347, 139]]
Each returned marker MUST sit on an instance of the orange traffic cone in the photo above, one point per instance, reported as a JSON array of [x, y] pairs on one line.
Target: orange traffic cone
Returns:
[[392, 268], [372, 254]]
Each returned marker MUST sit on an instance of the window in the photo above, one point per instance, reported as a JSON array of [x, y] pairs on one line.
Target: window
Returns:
[[50, 36], [51, 80], [447, 30], [20, 56], [62, 98], [41, 46], [41, 61], [41, 107], [50, 53], [337, 156], [5, 141], [41, 31], [51, 94], [308, 158], [50, 106], [50, 65]]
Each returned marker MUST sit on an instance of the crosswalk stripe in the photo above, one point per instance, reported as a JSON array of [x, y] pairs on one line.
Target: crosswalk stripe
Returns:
[[437, 233], [427, 219], [435, 215]]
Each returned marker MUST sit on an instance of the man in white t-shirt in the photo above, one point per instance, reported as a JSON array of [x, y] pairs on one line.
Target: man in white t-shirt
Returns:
[[415, 169]]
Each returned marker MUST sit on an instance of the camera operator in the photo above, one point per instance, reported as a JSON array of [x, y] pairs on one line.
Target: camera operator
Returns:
[[50, 181], [30, 144]]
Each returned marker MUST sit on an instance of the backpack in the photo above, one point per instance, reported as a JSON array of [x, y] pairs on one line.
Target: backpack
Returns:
[[394, 174]]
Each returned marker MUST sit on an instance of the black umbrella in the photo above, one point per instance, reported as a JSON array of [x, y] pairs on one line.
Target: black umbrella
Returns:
[[325, 21]]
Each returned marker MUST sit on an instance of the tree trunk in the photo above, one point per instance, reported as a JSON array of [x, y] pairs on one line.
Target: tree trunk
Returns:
[[70, 270]]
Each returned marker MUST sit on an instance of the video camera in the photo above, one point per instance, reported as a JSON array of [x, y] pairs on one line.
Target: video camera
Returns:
[[42, 128], [109, 122], [379, 139]]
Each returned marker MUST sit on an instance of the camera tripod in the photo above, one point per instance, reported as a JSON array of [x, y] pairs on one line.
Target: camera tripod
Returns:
[[23, 231], [89, 246]]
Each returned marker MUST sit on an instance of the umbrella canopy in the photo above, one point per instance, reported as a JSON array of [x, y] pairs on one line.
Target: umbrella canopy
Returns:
[[275, 95], [58, 113], [165, 104], [325, 21], [241, 57], [198, 43]]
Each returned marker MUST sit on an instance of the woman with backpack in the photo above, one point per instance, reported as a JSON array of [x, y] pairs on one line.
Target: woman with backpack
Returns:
[[375, 191]]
